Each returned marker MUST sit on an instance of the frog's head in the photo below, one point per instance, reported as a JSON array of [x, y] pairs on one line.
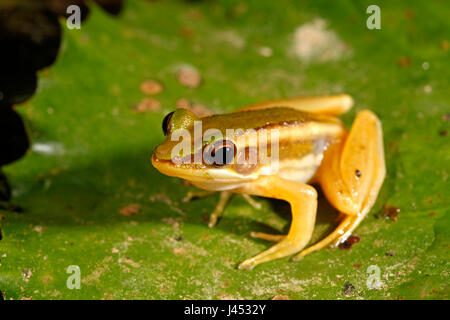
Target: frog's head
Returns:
[[206, 149]]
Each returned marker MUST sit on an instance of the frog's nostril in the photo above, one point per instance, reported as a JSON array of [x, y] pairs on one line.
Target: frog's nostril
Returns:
[[157, 152], [162, 152]]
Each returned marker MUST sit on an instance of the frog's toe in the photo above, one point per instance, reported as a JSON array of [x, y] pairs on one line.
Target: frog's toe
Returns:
[[220, 207], [285, 247], [252, 202], [247, 264], [188, 197], [267, 236], [213, 218], [338, 236]]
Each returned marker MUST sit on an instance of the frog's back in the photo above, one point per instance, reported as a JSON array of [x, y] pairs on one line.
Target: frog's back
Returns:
[[302, 138], [266, 118]]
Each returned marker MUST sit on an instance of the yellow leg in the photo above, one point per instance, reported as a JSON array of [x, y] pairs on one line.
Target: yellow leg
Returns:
[[339, 235], [351, 176], [303, 201], [218, 210], [331, 105], [220, 207], [253, 203]]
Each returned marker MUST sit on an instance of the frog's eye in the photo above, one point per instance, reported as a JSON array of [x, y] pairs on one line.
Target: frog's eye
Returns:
[[166, 123], [219, 153]]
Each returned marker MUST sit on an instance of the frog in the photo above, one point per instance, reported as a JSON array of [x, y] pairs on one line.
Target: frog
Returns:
[[314, 150]]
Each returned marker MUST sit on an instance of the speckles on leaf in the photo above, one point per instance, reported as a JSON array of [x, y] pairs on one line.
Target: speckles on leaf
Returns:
[[404, 62], [281, 297], [26, 274], [348, 244], [148, 104], [349, 289], [189, 77], [151, 87], [391, 212], [179, 251], [130, 210]]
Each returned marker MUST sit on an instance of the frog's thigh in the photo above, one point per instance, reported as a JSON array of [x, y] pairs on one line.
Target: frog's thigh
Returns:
[[331, 105], [351, 176], [303, 201]]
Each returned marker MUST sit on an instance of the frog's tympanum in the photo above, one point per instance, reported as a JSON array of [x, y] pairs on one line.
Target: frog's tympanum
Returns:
[[312, 147]]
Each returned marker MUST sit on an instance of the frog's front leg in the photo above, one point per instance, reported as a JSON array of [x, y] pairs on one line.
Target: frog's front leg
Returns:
[[303, 201], [221, 204], [220, 207], [351, 176]]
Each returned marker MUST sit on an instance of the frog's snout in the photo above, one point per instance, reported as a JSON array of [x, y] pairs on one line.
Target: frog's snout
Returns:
[[164, 151], [154, 159], [156, 162], [156, 153]]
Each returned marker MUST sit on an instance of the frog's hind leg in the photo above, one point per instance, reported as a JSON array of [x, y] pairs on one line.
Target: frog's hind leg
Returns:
[[330, 105], [351, 176], [303, 201], [339, 235]]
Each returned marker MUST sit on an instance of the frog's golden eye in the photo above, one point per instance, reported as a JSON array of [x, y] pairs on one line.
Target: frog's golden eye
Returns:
[[219, 153], [166, 123]]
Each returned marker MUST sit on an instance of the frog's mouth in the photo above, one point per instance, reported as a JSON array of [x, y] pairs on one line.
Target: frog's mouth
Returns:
[[199, 173]]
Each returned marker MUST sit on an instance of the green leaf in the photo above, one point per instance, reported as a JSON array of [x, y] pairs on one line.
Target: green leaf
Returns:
[[92, 152]]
